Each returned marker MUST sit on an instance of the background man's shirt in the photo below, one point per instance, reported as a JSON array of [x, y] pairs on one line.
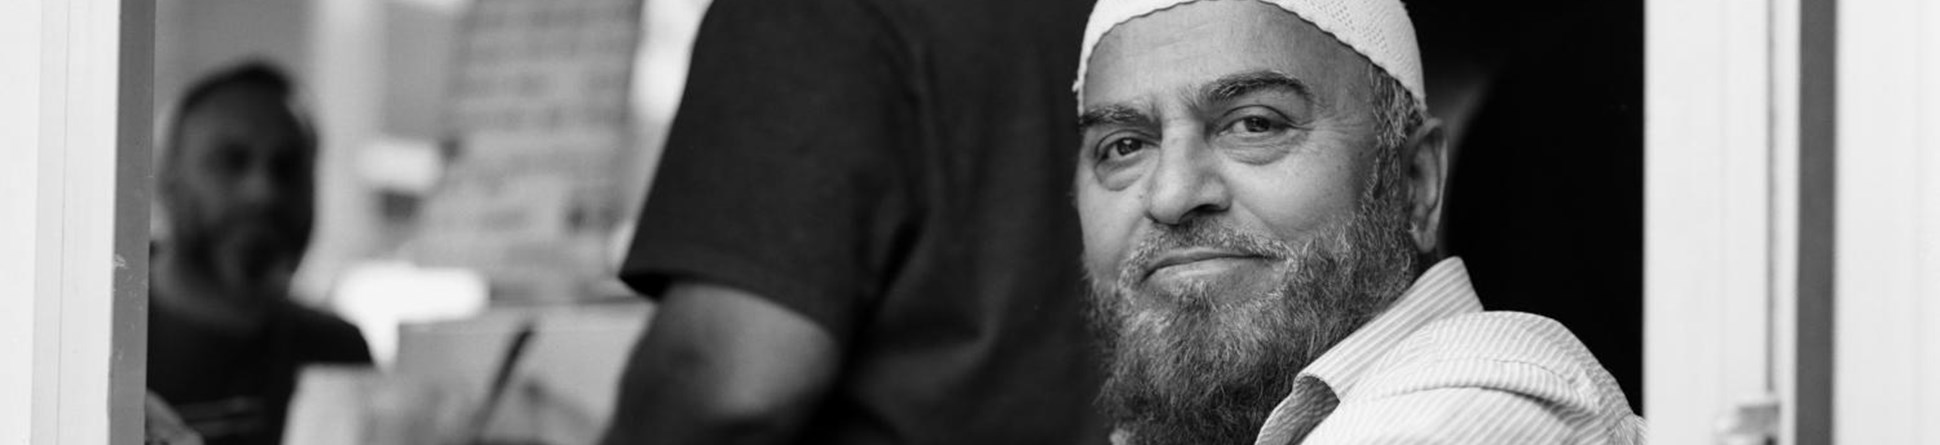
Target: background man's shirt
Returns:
[[235, 389], [897, 172], [1436, 368]]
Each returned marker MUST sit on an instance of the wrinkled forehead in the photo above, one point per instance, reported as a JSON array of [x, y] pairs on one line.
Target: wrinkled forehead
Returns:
[[1176, 52]]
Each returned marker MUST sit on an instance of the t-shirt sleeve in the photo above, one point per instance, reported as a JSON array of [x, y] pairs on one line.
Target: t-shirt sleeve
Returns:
[[323, 338], [781, 174]]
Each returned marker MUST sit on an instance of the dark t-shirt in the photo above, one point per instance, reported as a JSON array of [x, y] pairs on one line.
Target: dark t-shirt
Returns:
[[898, 172], [235, 389]]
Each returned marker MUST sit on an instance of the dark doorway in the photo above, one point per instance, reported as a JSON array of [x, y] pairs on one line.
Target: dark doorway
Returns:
[[1546, 201]]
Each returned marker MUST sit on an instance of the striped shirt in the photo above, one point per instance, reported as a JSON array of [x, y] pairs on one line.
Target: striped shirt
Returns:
[[1436, 368]]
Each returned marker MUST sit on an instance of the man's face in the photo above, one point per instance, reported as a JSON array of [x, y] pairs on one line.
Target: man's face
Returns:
[[1238, 215], [239, 189]]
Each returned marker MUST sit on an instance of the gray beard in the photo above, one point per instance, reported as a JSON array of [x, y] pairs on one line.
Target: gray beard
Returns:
[[1182, 369]]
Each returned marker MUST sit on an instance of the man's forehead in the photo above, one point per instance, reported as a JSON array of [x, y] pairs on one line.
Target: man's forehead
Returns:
[[259, 124], [1180, 51], [243, 110]]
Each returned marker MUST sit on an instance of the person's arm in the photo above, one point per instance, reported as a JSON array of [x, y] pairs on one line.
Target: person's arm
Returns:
[[719, 365], [771, 224], [162, 426]]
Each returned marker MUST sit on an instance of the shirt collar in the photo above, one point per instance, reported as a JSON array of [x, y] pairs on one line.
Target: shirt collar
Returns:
[[1441, 292]]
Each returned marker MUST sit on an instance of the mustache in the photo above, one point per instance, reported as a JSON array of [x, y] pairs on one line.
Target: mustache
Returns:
[[1149, 249]]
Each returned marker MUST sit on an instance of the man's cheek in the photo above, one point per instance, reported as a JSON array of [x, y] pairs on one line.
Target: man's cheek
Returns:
[[1104, 251]]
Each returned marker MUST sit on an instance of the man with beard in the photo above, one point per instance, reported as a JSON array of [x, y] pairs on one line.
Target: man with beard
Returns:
[[1260, 190], [237, 188]]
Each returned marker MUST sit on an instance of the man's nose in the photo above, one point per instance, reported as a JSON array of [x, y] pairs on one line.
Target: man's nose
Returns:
[[260, 186], [1186, 183]]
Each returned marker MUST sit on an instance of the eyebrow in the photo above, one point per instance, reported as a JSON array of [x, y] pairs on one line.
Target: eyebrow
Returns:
[[1114, 115], [1219, 90], [1238, 85]]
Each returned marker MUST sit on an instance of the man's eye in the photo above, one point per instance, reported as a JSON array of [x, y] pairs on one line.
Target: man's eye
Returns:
[[1121, 147], [1254, 125]]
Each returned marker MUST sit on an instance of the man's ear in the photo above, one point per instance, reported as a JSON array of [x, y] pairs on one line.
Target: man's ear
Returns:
[[1427, 157]]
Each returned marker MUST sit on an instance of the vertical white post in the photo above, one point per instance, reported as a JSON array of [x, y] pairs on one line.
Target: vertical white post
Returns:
[[1784, 50], [1708, 213], [1927, 244], [75, 312], [20, 40], [1887, 373], [70, 314]]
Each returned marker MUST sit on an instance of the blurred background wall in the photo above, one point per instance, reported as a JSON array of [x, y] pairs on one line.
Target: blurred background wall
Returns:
[[195, 36]]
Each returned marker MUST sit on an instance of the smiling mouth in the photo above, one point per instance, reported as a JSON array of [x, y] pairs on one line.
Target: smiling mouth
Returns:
[[1190, 257]]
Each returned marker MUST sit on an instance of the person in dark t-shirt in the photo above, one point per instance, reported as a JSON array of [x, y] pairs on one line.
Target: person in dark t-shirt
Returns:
[[860, 232], [237, 189]]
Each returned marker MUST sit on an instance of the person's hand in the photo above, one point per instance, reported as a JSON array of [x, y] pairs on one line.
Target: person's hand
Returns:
[[164, 427]]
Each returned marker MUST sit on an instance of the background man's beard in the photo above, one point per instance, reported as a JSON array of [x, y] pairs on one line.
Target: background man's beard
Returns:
[[1182, 369], [253, 259]]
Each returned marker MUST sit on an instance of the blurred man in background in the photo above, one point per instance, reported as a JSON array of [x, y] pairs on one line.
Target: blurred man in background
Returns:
[[236, 183], [859, 232]]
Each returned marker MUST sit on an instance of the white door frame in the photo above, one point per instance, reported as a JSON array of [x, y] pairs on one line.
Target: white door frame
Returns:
[[1793, 218], [1887, 351], [73, 219], [1720, 212]]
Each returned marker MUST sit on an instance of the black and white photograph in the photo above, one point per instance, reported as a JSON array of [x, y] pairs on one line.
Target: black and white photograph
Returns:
[[912, 222]]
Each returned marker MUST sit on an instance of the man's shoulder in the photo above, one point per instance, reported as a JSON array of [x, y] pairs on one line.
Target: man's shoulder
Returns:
[[1501, 336], [1515, 352], [1478, 357]]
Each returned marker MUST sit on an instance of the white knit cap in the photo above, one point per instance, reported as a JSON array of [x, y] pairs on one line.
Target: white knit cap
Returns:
[[1378, 29]]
